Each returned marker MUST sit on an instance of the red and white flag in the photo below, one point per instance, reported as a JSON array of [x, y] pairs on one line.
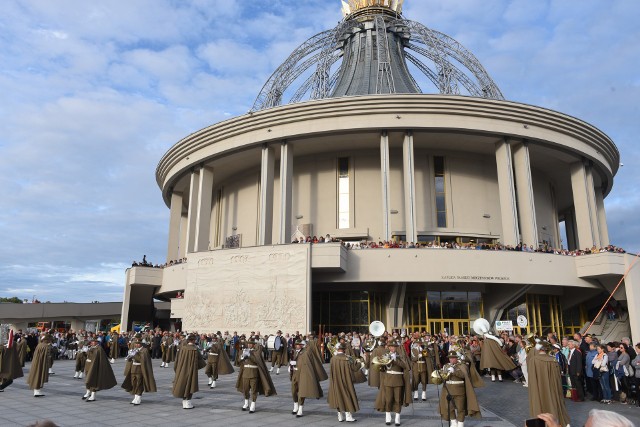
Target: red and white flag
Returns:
[[10, 340]]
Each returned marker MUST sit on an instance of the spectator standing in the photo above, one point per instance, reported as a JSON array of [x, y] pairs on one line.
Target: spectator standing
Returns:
[[576, 369], [592, 375], [601, 364]]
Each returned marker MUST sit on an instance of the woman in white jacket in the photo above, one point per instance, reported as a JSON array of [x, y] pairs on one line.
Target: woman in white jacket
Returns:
[[601, 364]]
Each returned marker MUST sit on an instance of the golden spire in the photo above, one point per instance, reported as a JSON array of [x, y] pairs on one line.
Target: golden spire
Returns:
[[353, 6]]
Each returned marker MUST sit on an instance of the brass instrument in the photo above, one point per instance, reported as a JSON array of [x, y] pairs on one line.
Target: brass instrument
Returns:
[[132, 353], [382, 363], [438, 376], [531, 342], [370, 344], [331, 345]]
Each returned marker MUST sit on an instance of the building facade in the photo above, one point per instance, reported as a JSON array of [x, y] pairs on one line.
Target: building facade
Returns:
[[370, 158]]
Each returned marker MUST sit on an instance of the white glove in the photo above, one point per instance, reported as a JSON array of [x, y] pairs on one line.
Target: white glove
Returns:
[[450, 369], [393, 356], [419, 355]]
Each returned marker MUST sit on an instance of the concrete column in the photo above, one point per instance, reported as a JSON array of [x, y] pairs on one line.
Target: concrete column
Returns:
[[506, 190], [174, 226], [203, 214], [593, 208], [265, 223], [286, 186], [126, 300], [192, 212], [386, 184], [632, 289], [570, 226], [409, 188], [584, 203], [395, 310], [602, 218], [524, 193], [182, 249]]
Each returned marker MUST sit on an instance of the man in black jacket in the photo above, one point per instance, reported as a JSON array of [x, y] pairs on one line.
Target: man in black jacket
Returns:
[[576, 369]]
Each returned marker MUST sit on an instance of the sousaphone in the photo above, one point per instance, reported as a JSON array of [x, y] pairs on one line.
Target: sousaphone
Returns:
[[377, 328], [481, 326]]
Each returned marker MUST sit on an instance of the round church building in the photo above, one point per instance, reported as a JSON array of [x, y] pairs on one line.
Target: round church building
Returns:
[[382, 175]]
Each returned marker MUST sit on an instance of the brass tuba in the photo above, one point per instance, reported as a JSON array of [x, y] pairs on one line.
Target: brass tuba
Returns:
[[331, 345], [531, 342], [438, 376]]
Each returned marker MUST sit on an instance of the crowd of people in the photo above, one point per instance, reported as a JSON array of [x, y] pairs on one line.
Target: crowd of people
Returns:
[[399, 365]]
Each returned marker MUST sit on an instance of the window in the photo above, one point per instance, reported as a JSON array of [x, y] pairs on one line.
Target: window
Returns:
[[343, 193], [440, 191]]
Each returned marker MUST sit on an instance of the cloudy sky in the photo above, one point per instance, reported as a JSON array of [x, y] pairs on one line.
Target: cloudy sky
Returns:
[[93, 93]]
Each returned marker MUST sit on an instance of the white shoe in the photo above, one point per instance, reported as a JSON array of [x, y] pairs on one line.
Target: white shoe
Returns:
[[397, 419], [295, 408], [387, 418], [80, 375], [246, 405], [453, 423], [271, 370], [162, 365], [299, 414], [499, 379], [87, 394], [424, 395], [112, 360], [184, 403], [188, 404], [493, 378], [92, 397], [213, 384], [460, 423], [350, 418], [340, 419], [525, 385], [415, 395], [38, 393], [366, 372], [76, 374], [210, 380], [51, 371], [252, 408], [278, 371]]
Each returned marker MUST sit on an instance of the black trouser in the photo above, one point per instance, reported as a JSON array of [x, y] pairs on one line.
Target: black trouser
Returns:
[[593, 385], [577, 382]]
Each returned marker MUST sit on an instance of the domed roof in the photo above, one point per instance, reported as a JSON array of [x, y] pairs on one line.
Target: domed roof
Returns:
[[372, 51]]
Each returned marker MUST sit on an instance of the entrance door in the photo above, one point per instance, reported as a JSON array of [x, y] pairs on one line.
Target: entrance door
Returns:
[[450, 327]]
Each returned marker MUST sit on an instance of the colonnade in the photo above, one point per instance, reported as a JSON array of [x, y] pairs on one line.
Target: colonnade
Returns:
[[586, 223]]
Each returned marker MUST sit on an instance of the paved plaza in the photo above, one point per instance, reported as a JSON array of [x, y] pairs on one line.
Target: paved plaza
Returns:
[[503, 405]]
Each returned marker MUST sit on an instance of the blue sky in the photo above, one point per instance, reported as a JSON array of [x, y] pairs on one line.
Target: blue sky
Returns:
[[93, 93]]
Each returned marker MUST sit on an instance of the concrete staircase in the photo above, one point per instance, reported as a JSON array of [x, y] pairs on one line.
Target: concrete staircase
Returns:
[[606, 330]]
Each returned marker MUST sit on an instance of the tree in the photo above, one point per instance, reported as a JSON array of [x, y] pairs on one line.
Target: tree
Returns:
[[14, 300]]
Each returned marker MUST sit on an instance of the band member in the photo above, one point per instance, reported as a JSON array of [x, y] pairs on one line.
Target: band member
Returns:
[[98, 372], [113, 346], [280, 355], [374, 374], [218, 362], [10, 368], [342, 392], [545, 385], [458, 399], [421, 368], [254, 377], [81, 358], [493, 358], [188, 362], [466, 356], [41, 364], [165, 345], [138, 372], [306, 372], [21, 348], [395, 384]]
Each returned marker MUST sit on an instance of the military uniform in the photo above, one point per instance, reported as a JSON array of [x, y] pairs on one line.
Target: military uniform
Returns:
[[81, 359], [254, 378], [280, 355], [395, 386], [217, 363], [10, 368], [98, 372], [166, 346], [306, 372], [342, 393], [459, 386], [492, 357], [41, 365], [188, 362], [421, 368], [138, 372], [113, 346]]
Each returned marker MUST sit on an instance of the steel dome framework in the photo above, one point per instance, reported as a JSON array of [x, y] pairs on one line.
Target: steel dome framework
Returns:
[[367, 53]]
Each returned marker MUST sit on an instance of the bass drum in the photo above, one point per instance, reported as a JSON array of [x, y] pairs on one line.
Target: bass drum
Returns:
[[270, 342], [277, 343]]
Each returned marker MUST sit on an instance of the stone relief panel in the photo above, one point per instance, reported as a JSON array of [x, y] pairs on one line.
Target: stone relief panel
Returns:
[[251, 289]]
